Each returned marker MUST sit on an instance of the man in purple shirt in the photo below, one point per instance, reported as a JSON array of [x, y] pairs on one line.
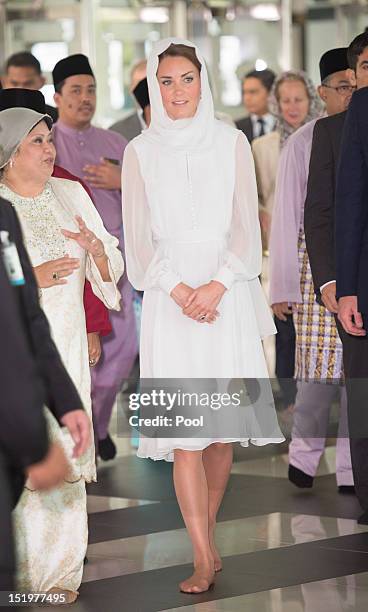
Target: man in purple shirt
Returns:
[[95, 155]]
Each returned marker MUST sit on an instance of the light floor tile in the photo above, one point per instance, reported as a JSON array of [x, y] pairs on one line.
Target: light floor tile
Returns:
[[99, 503]]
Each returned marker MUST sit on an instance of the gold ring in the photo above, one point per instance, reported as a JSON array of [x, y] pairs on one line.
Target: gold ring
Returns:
[[55, 276]]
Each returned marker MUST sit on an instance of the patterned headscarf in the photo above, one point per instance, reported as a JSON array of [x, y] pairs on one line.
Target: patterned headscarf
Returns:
[[315, 104]]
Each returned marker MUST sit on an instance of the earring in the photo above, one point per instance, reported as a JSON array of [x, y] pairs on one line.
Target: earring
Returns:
[[11, 162]]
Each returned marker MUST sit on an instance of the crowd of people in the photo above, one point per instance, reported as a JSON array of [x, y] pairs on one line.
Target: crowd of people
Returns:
[[177, 204]]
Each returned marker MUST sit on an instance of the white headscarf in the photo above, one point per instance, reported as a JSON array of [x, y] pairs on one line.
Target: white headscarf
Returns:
[[183, 135], [15, 125]]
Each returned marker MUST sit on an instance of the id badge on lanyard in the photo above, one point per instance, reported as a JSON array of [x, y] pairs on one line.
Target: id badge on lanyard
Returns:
[[11, 260]]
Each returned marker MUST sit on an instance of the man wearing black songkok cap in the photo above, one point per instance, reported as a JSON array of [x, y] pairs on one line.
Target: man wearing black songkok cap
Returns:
[[133, 124], [319, 222], [141, 94], [26, 98], [318, 351], [96, 155]]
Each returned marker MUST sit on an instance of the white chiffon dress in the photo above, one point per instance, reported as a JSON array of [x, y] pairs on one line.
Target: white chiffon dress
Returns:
[[182, 227]]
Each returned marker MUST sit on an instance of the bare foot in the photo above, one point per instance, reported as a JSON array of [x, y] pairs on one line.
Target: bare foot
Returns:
[[216, 556], [200, 581]]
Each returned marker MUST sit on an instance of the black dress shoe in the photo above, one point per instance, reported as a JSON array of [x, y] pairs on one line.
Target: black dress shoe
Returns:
[[346, 489], [363, 519], [106, 449], [300, 478]]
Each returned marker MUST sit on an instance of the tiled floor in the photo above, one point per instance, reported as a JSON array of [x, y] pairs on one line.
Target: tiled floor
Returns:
[[283, 549], [234, 537]]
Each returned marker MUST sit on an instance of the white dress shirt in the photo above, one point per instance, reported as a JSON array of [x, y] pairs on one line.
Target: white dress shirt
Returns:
[[269, 124]]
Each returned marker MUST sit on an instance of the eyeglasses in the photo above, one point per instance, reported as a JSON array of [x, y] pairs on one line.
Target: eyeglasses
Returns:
[[342, 89]]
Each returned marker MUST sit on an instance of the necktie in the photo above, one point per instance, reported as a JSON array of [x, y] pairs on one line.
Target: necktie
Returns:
[[261, 123]]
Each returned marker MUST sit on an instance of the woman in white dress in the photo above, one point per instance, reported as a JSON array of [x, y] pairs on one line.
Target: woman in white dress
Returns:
[[193, 245], [67, 243]]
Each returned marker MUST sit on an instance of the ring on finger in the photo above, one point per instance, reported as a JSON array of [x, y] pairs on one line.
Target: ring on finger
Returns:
[[202, 317], [55, 276]]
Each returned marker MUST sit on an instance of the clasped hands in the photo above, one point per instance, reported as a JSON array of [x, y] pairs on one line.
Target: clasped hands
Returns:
[[199, 304]]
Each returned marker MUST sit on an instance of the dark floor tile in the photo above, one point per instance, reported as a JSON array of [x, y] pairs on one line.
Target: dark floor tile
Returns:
[[137, 521], [135, 478], [354, 542]]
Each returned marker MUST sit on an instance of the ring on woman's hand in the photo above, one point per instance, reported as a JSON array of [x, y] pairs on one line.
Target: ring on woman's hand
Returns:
[[202, 317], [55, 276], [93, 240]]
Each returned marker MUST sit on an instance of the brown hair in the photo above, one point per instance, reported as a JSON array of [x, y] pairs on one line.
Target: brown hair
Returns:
[[181, 51], [286, 79]]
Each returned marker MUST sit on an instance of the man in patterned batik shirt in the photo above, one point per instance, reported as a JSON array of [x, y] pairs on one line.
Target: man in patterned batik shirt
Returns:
[[318, 346]]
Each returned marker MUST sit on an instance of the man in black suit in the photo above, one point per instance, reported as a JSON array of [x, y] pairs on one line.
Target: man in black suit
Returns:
[[319, 224], [23, 70], [351, 239], [320, 202], [31, 374], [256, 87], [23, 433]]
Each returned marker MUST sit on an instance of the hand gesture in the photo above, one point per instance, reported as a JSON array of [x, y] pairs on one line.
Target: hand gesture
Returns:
[[203, 301], [104, 175], [282, 309], [94, 348], [79, 426], [328, 296], [86, 239], [349, 316], [55, 271], [49, 472]]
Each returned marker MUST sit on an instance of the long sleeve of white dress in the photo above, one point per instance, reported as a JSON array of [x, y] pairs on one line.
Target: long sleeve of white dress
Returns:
[[147, 265], [243, 256]]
